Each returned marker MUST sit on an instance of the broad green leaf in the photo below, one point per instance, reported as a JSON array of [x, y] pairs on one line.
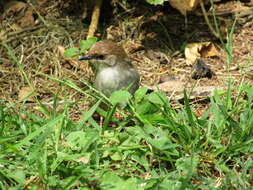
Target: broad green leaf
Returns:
[[140, 93], [71, 52], [78, 140], [145, 107], [86, 44], [18, 175], [155, 2], [157, 98], [113, 182], [187, 165], [116, 156], [120, 96]]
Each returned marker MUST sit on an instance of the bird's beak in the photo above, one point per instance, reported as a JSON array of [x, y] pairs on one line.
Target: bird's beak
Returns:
[[86, 57]]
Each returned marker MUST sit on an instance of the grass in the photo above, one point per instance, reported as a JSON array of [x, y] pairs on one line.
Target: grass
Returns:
[[152, 146]]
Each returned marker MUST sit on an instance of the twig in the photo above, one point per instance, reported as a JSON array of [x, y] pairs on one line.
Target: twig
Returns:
[[207, 20], [94, 18]]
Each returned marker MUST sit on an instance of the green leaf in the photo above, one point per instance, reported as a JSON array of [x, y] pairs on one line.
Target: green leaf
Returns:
[[145, 107], [116, 156], [120, 96], [140, 93], [78, 140], [86, 44], [18, 175], [155, 2], [157, 98], [71, 52], [113, 182], [187, 165]]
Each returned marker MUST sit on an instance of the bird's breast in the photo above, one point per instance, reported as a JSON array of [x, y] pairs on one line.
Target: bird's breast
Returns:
[[113, 78], [108, 74]]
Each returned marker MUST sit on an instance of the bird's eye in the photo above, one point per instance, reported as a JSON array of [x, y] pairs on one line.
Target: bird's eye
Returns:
[[100, 57]]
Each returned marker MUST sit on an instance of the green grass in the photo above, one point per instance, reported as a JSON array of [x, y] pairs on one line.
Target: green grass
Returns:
[[152, 147]]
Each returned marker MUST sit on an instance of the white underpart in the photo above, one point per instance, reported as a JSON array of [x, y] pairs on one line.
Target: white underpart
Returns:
[[109, 74], [107, 78]]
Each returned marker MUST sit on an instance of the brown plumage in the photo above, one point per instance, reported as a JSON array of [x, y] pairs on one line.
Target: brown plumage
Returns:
[[107, 47]]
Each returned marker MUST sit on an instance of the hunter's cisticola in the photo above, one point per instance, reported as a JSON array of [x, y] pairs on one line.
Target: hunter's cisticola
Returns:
[[113, 68]]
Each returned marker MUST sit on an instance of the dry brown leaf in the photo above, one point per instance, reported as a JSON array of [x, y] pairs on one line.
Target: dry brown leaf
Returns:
[[26, 92], [184, 6], [208, 49], [61, 49], [83, 160], [192, 53], [197, 50], [22, 13], [14, 7]]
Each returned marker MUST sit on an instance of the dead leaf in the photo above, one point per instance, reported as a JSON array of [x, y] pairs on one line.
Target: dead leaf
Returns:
[[194, 51], [191, 53], [83, 160], [27, 93], [14, 7], [22, 13], [61, 49], [208, 49], [184, 6]]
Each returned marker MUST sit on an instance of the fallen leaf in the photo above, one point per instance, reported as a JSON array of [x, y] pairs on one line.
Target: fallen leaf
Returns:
[[184, 6], [194, 51], [26, 93], [208, 49], [61, 49], [22, 13], [83, 160]]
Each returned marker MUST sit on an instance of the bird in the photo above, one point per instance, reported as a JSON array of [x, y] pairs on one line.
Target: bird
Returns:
[[113, 68]]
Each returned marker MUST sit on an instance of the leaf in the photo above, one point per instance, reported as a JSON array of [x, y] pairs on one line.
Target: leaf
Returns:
[[140, 93], [120, 96], [187, 165], [113, 182], [145, 107], [71, 52], [184, 5], [86, 44], [155, 2], [157, 98], [196, 50], [116, 156], [78, 140], [26, 92]]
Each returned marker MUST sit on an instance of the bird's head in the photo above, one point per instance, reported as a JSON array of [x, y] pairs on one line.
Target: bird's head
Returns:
[[105, 52]]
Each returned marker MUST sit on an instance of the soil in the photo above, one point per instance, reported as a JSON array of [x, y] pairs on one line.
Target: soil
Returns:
[[153, 36]]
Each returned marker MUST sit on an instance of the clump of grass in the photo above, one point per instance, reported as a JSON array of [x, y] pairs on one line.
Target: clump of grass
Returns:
[[152, 147]]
